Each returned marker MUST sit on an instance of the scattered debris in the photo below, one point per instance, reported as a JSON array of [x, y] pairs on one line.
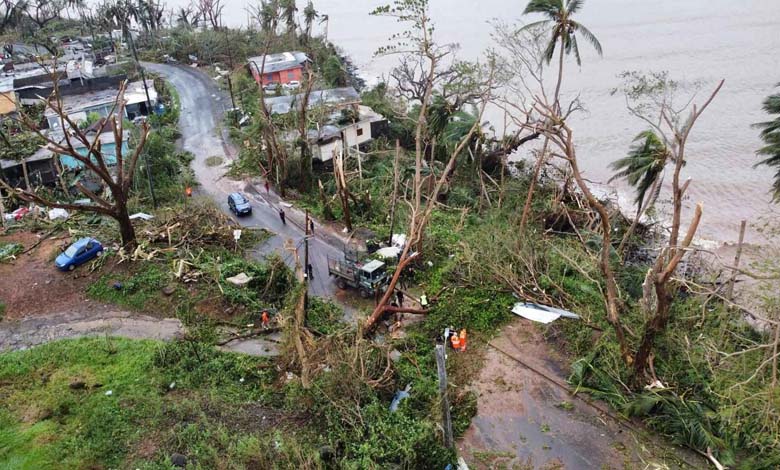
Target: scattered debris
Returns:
[[141, 215], [400, 396], [541, 313], [240, 279], [388, 252], [58, 214], [109, 393], [655, 385]]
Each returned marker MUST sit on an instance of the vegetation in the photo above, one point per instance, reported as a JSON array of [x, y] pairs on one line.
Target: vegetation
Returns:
[[770, 134], [655, 341]]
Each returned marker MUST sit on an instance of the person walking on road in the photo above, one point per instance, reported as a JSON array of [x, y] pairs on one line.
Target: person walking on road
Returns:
[[311, 226], [282, 216], [310, 271], [267, 187]]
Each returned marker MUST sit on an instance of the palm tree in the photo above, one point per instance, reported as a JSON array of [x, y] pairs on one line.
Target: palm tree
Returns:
[[770, 134], [309, 15], [325, 19], [643, 168], [288, 14], [563, 29]]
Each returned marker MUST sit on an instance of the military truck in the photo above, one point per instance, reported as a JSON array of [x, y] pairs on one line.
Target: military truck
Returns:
[[368, 277]]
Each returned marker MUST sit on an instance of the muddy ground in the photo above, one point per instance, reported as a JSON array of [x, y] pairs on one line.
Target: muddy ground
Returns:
[[526, 418], [32, 285]]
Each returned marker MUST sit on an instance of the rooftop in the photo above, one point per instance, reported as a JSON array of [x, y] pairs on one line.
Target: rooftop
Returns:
[[133, 94], [278, 62], [333, 97]]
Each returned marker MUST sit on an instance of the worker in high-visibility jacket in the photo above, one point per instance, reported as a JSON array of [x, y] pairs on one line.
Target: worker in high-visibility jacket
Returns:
[[462, 339], [455, 340], [424, 301]]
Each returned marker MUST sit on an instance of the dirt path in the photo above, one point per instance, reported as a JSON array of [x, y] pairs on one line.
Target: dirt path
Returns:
[[90, 320], [526, 420]]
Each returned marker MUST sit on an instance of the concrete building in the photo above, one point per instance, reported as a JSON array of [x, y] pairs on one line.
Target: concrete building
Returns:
[[278, 68], [78, 107]]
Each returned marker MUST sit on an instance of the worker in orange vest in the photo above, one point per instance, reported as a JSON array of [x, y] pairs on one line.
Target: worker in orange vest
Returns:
[[463, 339], [188, 191], [264, 319], [455, 340]]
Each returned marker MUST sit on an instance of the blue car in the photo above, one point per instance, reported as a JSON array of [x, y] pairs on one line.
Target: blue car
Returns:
[[239, 205], [78, 253]]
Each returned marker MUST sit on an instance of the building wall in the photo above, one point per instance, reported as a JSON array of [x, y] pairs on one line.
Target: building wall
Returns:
[[324, 152], [282, 77], [358, 133]]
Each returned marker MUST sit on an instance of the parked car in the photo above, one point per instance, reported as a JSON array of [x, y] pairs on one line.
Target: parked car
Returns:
[[293, 85], [239, 204], [271, 87], [79, 253]]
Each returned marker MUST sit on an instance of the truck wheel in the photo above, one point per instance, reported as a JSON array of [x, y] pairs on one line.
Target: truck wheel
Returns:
[[341, 284], [365, 293]]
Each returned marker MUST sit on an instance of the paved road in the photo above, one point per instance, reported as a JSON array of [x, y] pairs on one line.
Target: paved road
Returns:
[[202, 107]]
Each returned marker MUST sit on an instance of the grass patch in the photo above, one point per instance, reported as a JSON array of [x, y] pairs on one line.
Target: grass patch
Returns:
[[214, 161], [209, 406]]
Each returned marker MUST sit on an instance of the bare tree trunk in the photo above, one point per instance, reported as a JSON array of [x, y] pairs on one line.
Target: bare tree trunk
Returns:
[[26, 174], [532, 186], [661, 275]]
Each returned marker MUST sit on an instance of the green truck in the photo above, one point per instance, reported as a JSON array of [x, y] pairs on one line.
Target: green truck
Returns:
[[369, 277]]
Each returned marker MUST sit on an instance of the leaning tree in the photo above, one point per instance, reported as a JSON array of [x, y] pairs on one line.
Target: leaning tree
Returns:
[[116, 176]]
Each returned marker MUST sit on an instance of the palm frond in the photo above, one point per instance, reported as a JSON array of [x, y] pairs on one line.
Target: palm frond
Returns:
[[573, 6], [546, 7], [590, 37]]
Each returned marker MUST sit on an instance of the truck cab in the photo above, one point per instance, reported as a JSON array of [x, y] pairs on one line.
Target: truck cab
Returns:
[[367, 277]]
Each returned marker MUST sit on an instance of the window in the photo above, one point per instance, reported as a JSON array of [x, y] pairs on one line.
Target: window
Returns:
[[359, 131], [290, 75], [269, 77]]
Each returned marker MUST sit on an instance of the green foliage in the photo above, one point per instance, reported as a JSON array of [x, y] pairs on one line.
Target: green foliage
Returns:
[[333, 72], [8, 251], [770, 134], [324, 317], [270, 284], [163, 399], [140, 290]]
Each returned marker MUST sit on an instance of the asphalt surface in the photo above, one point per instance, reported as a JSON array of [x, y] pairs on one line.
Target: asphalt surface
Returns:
[[202, 107]]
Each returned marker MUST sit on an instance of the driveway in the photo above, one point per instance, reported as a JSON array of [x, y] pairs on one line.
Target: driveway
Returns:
[[202, 107]]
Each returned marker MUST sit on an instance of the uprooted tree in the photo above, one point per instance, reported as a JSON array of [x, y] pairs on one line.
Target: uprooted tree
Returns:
[[417, 45], [116, 176]]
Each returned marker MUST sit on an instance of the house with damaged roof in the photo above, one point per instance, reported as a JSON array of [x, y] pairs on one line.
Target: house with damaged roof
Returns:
[[343, 122]]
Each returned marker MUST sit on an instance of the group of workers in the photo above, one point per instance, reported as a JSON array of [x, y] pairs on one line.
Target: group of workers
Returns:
[[456, 339]]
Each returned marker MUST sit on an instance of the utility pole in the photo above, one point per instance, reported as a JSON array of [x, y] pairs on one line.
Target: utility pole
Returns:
[[148, 110], [395, 190], [446, 419], [230, 83], [306, 260]]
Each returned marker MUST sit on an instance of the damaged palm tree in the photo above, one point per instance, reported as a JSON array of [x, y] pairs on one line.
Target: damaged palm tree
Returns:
[[116, 175], [418, 43]]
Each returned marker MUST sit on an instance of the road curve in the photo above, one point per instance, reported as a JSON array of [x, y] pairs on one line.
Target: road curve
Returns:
[[202, 107]]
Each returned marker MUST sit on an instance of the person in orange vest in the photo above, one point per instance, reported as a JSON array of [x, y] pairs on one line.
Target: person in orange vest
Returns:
[[264, 318], [188, 191], [455, 340], [463, 339]]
